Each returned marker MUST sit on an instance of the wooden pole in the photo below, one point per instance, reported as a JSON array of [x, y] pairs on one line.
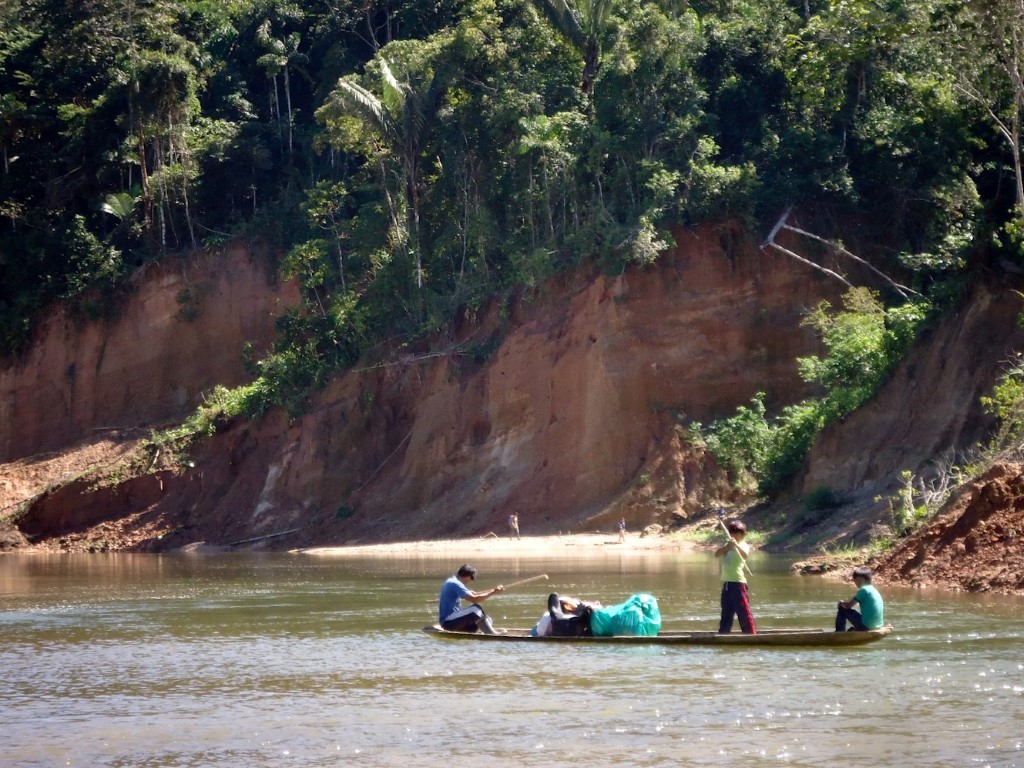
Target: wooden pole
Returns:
[[526, 581], [519, 583]]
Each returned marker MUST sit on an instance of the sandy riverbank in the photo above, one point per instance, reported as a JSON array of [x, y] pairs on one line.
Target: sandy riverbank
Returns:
[[505, 546]]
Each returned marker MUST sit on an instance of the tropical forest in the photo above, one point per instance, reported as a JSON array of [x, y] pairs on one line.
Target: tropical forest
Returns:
[[279, 273]]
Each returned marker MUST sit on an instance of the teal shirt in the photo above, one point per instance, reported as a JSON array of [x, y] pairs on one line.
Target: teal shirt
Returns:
[[871, 606]]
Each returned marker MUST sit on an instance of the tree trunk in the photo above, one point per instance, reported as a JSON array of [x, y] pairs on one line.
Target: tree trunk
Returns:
[[591, 64], [414, 225], [288, 104], [1020, 180], [276, 107], [147, 193], [188, 210], [1018, 160]]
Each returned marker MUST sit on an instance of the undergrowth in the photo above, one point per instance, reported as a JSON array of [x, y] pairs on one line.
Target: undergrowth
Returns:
[[220, 406], [864, 341]]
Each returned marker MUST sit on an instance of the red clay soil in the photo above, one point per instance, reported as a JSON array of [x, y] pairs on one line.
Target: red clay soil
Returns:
[[974, 545], [72, 500], [572, 421]]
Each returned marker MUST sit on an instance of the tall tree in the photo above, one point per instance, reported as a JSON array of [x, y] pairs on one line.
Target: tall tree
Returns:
[[585, 26], [282, 56], [998, 84], [399, 119]]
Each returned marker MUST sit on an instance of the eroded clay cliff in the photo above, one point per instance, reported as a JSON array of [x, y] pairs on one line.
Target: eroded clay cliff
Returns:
[[88, 390], [567, 406], [180, 332], [573, 416]]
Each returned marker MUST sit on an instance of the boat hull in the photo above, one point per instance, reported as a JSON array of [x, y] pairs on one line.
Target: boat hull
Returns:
[[764, 638]]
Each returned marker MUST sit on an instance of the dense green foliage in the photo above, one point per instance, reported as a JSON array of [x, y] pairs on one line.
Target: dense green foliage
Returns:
[[863, 341], [416, 159], [1006, 404]]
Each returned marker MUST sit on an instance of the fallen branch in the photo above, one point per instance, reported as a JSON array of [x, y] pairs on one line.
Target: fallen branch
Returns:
[[810, 263], [902, 290], [381, 465], [770, 240], [781, 224]]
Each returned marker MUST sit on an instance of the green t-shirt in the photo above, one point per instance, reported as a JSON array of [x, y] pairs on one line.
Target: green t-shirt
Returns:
[[732, 567], [871, 606]]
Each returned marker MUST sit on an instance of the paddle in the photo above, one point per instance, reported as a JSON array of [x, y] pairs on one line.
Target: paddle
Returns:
[[538, 577], [721, 522], [519, 583]]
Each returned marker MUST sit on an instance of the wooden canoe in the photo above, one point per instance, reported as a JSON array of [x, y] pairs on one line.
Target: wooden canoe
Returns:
[[767, 637]]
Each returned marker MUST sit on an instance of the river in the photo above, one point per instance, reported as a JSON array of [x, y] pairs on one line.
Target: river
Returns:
[[291, 660]]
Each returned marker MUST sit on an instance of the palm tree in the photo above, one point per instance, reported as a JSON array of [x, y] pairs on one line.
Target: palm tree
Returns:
[[281, 55], [401, 116], [584, 27]]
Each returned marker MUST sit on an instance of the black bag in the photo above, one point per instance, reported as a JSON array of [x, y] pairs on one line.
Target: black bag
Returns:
[[568, 624]]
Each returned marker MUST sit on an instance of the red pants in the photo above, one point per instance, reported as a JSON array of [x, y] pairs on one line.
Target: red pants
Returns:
[[735, 603]]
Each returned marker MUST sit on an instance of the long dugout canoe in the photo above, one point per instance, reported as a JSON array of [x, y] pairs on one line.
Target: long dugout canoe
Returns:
[[766, 637]]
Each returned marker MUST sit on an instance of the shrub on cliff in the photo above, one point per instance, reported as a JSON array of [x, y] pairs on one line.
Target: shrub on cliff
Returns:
[[863, 341]]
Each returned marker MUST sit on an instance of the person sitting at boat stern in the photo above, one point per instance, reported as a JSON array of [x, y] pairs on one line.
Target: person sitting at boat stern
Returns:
[[732, 562], [453, 616], [871, 614]]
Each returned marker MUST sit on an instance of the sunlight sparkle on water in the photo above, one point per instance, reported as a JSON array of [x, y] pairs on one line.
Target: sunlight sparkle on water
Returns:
[[221, 648]]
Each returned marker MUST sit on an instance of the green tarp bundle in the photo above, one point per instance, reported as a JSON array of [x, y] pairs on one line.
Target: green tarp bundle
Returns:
[[639, 615]]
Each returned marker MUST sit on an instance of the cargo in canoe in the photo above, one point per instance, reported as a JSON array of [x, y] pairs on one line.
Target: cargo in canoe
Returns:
[[764, 638]]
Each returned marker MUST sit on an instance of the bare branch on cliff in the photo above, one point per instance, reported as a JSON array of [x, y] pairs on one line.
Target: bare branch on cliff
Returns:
[[811, 264], [770, 243], [263, 538], [902, 290], [770, 240], [409, 359], [781, 224], [381, 465]]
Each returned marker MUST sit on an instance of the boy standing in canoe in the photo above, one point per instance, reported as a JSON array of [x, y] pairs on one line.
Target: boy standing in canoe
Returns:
[[871, 614], [735, 601]]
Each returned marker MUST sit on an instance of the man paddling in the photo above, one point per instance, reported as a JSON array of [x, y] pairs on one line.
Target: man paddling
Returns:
[[453, 616]]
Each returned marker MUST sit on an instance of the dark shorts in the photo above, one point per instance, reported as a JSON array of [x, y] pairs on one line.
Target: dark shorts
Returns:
[[466, 620]]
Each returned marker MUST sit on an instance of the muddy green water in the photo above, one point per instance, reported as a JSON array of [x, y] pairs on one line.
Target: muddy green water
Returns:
[[291, 660]]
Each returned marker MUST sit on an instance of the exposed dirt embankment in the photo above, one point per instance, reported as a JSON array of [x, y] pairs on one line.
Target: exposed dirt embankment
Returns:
[[570, 421], [181, 332], [975, 545], [925, 417], [929, 406], [567, 406]]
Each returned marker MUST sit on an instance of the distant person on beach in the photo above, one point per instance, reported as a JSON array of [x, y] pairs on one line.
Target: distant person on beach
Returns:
[[452, 616], [735, 600], [622, 529], [872, 608], [513, 525]]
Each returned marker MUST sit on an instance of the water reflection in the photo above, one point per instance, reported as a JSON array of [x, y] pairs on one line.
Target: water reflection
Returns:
[[132, 660]]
